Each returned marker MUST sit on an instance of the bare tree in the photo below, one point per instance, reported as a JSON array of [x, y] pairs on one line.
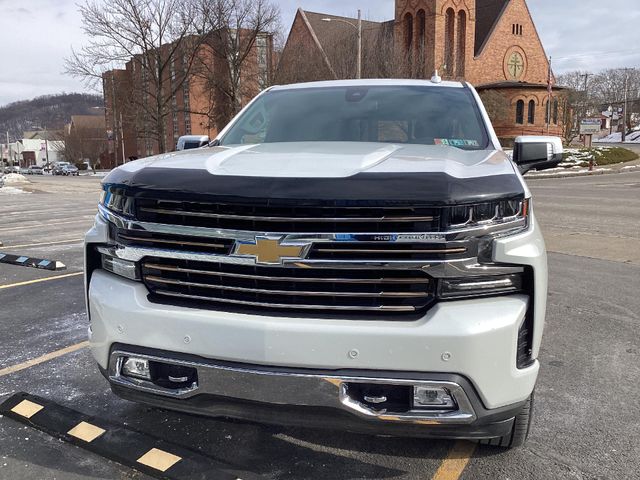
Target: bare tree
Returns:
[[236, 63], [160, 38], [301, 60], [82, 144], [590, 94]]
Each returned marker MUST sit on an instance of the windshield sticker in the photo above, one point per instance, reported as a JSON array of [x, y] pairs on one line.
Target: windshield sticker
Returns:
[[456, 142]]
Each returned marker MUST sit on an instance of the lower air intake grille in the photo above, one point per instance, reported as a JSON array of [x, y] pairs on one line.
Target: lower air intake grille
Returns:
[[317, 291]]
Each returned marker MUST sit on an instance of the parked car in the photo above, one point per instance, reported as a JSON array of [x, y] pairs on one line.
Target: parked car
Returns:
[[12, 169], [70, 170], [368, 259], [188, 142], [34, 170], [58, 167]]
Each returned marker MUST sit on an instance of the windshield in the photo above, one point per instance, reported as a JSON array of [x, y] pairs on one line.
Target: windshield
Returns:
[[426, 115]]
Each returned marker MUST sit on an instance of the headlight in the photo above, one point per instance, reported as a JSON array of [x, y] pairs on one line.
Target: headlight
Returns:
[[500, 217], [113, 198]]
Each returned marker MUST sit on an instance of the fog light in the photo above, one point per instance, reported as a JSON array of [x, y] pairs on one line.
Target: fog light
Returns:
[[124, 268], [433, 398], [136, 368]]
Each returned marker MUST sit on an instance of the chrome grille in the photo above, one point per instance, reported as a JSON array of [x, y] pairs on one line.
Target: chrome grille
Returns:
[[381, 251], [357, 291], [265, 216], [141, 238]]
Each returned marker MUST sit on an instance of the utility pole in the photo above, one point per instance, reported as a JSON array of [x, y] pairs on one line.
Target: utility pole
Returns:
[[359, 74], [8, 151], [358, 27], [586, 93], [121, 141], [624, 110]]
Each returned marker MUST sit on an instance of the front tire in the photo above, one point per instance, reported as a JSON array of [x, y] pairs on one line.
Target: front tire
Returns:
[[520, 431]]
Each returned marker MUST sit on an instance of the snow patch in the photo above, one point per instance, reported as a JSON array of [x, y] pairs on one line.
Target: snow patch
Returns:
[[13, 178], [11, 191], [564, 172], [633, 137]]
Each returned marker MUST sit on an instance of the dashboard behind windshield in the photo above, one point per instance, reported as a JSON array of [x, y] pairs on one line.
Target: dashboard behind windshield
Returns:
[[428, 115]]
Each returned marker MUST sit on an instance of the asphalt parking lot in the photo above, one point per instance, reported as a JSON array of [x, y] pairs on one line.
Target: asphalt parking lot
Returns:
[[587, 408]]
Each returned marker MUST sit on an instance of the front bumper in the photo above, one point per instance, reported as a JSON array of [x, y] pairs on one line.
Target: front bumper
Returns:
[[476, 339], [311, 398]]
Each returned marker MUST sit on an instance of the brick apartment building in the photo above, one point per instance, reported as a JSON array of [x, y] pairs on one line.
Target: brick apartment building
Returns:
[[493, 44], [196, 105]]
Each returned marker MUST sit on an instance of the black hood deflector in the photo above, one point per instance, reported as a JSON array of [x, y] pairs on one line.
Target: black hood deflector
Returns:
[[361, 189]]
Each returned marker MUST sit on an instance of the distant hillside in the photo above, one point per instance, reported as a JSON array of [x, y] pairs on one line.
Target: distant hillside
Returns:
[[51, 112]]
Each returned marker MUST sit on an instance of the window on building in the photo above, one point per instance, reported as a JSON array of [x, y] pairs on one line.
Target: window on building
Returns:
[[422, 29], [520, 112], [462, 43], [531, 118], [408, 31], [516, 29], [555, 111], [449, 40]]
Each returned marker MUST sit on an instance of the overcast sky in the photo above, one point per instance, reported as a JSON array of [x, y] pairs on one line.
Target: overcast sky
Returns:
[[36, 36]]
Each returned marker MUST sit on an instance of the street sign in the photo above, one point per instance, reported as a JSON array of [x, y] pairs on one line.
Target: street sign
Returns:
[[590, 126]]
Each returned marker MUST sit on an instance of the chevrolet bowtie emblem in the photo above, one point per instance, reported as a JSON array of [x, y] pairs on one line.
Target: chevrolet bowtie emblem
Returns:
[[269, 250]]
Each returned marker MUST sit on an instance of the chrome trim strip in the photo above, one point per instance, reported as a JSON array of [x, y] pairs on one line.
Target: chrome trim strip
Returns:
[[169, 268], [466, 267], [173, 242], [250, 218], [389, 251], [284, 388], [289, 306], [166, 281], [249, 236]]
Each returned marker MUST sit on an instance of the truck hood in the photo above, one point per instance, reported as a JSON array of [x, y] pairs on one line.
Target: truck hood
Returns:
[[331, 160], [326, 170]]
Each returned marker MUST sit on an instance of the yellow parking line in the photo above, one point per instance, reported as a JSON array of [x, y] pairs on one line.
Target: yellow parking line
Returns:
[[455, 463], [43, 358], [75, 240], [38, 280]]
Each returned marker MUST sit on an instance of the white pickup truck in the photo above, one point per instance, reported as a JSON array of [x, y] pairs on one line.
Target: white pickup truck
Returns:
[[359, 255]]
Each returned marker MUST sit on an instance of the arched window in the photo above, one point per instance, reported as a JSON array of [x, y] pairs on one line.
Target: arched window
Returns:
[[462, 43], [449, 41], [531, 118], [408, 32], [520, 112], [422, 29], [555, 111]]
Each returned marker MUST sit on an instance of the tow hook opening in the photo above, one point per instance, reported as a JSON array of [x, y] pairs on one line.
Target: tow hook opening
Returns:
[[388, 398]]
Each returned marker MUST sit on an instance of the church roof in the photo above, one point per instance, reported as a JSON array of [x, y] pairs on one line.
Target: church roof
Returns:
[[488, 13], [328, 32]]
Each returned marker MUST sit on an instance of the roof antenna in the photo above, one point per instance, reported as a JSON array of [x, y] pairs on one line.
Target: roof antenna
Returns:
[[436, 78]]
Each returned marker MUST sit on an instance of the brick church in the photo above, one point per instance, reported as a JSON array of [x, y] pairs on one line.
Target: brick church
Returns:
[[492, 44]]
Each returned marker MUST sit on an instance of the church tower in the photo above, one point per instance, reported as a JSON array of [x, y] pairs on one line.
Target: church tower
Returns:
[[435, 34]]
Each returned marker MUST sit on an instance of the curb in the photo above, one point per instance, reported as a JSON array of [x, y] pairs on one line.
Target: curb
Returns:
[[147, 454], [24, 261]]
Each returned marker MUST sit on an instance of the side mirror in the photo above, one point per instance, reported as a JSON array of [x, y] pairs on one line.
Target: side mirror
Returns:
[[538, 153]]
